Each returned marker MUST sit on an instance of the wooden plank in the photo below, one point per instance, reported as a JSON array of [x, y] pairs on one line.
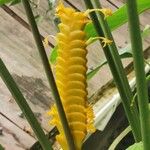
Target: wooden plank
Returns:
[[13, 138], [18, 45], [20, 55], [81, 6], [20, 20], [37, 96], [47, 25], [144, 19]]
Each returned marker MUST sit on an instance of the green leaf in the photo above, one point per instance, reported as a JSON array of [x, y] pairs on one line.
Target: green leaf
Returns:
[[14, 2], [25, 108], [124, 53], [2, 2], [118, 18], [53, 55], [136, 146], [90, 74]]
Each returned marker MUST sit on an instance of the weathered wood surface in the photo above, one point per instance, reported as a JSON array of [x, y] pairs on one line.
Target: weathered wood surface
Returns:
[[94, 55], [12, 137], [48, 28], [18, 51]]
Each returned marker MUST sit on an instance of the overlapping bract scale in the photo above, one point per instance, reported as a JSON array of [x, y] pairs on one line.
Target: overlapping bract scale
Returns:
[[71, 76]]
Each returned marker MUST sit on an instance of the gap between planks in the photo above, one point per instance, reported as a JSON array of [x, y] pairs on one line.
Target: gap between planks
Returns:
[[20, 20], [13, 138]]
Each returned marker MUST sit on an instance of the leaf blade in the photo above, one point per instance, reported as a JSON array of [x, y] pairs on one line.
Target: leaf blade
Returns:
[[118, 18]]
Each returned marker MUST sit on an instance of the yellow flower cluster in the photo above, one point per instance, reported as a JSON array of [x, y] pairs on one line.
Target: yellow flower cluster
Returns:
[[70, 73]]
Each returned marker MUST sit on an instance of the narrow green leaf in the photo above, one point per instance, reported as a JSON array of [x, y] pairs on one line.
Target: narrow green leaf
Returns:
[[136, 146], [138, 60], [22, 103], [118, 139], [118, 18], [90, 74], [123, 54], [1, 148], [116, 68]]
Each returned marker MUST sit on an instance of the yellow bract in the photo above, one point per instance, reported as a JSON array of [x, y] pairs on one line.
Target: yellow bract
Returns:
[[70, 71]]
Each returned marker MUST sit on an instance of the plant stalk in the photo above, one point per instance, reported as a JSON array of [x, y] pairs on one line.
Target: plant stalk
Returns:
[[19, 98], [1, 148], [114, 51], [117, 70], [49, 74], [142, 92]]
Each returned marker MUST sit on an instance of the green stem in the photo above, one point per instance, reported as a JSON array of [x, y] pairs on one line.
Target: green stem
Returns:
[[119, 138], [142, 92], [13, 88], [114, 52], [117, 70], [133, 102], [49, 74]]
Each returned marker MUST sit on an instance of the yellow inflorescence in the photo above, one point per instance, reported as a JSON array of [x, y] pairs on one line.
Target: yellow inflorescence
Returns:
[[71, 76]]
